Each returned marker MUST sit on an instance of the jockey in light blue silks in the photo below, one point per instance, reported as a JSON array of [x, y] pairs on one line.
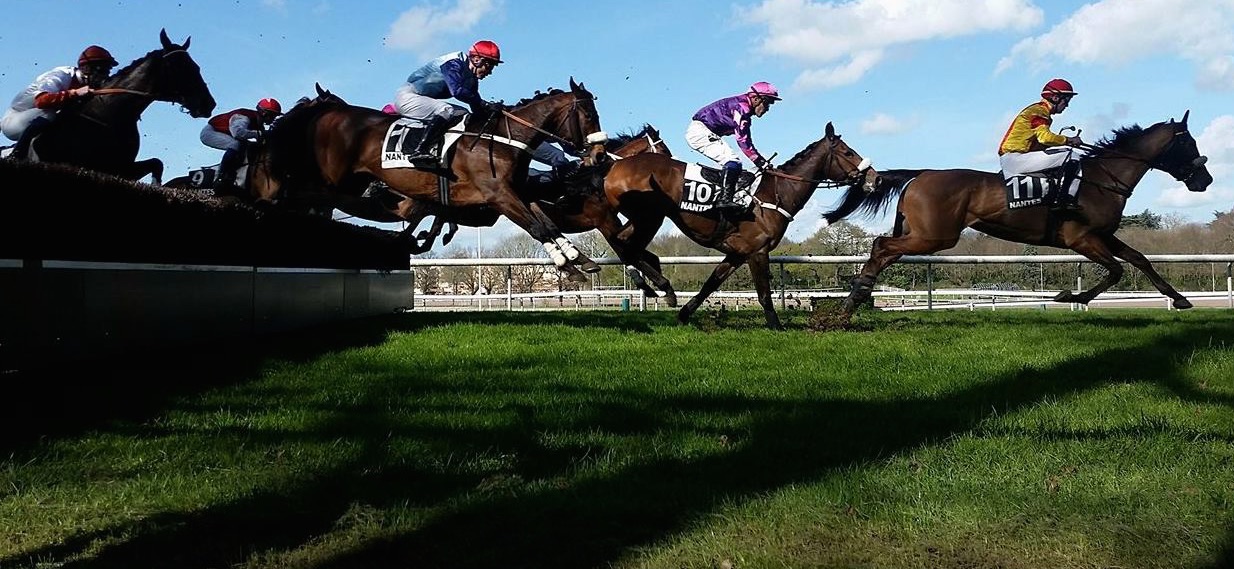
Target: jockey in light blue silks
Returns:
[[33, 109], [424, 97], [731, 115]]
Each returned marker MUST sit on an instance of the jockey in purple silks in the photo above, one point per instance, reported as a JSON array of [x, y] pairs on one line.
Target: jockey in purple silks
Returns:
[[731, 115]]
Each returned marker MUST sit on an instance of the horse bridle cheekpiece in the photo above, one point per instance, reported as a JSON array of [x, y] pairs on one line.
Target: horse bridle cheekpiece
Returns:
[[1185, 171]]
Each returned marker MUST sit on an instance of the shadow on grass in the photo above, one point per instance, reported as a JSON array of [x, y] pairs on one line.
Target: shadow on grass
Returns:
[[588, 523]]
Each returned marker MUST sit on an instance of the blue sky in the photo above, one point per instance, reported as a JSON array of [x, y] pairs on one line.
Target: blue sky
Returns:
[[909, 83]]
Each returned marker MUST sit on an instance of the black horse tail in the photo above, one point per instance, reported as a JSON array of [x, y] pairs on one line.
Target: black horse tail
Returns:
[[890, 184]]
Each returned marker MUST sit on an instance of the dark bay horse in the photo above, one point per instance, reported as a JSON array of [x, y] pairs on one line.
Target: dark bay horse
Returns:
[[101, 133], [936, 205], [648, 187], [486, 167]]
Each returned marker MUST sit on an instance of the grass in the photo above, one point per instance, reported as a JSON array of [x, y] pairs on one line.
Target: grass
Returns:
[[1006, 439]]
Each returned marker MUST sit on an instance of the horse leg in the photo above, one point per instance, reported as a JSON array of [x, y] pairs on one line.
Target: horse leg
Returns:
[[760, 268], [724, 270], [1137, 260], [450, 233], [576, 257], [150, 166], [884, 252], [1096, 250]]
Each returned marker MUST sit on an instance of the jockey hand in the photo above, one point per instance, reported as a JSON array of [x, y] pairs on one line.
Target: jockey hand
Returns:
[[494, 107], [1074, 141], [81, 91], [763, 163]]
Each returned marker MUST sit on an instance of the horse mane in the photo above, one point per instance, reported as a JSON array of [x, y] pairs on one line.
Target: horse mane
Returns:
[[800, 156], [539, 95], [288, 148], [1119, 136], [131, 66], [626, 136]]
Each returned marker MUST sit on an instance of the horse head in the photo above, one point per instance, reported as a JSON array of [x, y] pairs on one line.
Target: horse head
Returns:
[[1181, 158], [646, 140], [568, 115], [174, 77], [834, 161]]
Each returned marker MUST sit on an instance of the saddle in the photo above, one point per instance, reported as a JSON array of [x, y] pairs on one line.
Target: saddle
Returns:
[[1028, 190], [702, 183], [404, 136]]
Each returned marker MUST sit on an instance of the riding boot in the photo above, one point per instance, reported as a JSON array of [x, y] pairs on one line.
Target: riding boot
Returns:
[[422, 153], [1066, 201], [728, 188], [226, 180], [21, 150]]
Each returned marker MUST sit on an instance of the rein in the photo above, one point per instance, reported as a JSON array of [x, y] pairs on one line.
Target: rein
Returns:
[[1122, 188]]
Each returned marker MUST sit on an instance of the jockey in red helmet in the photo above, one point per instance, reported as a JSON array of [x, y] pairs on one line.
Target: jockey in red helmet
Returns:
[[731, 115], [231, 131], [1030, 147], [36, 105]]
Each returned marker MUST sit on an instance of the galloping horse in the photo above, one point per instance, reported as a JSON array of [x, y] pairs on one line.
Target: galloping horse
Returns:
[[648, 187], [486, 167], [936, 205], [101, 133]]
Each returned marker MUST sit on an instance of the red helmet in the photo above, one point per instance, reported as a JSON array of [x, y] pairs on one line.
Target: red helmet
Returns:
[[270, 105], [1057, 87], [95, 53], [486, 49]]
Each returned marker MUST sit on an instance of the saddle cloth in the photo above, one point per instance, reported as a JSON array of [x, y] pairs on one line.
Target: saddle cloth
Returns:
[[404, 135], [702, 183], [1032, 189]]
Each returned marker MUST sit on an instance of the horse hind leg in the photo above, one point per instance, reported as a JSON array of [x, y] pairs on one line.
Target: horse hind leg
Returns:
[[1137, 260], [152, 167], [885, 252], [1096, 250]]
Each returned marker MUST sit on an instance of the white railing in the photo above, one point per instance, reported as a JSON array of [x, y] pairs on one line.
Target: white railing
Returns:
[[908, 300]]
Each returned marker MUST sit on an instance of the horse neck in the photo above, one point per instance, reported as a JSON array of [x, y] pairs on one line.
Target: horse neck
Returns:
[[126, 106], [539, 113], [792, 195], [1126, 168]]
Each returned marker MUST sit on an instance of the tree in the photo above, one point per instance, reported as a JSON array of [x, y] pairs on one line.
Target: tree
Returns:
[[1146, 220]]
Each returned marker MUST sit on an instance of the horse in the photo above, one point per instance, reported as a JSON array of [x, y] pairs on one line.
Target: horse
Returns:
[[101, 133], [575, 204], [486, 166], [936, 205], [649, 187]]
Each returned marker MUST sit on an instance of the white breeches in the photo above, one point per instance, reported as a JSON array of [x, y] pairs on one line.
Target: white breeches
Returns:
[[15, 122], [219, 140], [709, 144]]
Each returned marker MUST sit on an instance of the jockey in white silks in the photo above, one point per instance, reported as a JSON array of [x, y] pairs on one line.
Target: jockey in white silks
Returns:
[[33, 109]]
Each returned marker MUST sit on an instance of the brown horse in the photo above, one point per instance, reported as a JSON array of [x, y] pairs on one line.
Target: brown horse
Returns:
[[936, 205], [648, 187], [486, 167], [575, 205], [101, 133]]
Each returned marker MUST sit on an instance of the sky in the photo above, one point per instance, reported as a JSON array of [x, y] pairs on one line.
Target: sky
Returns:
[[909, 83]]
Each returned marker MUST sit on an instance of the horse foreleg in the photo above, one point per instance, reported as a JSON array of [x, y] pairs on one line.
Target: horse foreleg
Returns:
[[450, 233], [567, 248], [1137, 260], [760, 268], [721, 273], [886, 251], [152, 167], [1096, 250]]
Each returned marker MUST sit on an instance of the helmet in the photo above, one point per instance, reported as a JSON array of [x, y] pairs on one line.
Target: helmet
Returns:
[[765, 89], [1057, 87], [486, 49], [271, 105], [95, 53]]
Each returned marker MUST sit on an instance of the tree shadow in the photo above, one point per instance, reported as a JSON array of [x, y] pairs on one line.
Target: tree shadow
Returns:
[[594, 521]]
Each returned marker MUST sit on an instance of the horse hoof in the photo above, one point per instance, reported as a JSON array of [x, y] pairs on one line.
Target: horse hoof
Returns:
[[590, 267], [671, 301], [1064, 296], [1182, 304]]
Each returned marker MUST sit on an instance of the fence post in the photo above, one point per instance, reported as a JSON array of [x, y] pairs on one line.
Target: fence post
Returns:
[[509, 287], [929, 286], [413, 289], [782, 285], [1079, 280], [1229, 284]]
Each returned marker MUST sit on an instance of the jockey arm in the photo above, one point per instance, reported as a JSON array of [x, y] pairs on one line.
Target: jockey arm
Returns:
[[1041, 129], [462, 84], [744, 141], [240, 128], [57, 89]]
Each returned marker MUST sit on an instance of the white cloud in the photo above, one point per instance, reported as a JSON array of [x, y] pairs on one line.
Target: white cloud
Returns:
[[419, 28], [1121, 31], [275, 4], [839, 42], [882, 123]]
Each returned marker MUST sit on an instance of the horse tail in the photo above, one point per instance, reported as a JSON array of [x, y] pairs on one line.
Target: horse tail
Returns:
[[890, 184]]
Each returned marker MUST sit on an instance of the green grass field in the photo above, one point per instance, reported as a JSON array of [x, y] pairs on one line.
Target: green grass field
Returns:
[[1008, 439]]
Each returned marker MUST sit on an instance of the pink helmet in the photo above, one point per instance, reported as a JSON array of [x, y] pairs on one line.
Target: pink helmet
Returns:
[[765, 89], [389, 109], [486, 49], [270, 105]]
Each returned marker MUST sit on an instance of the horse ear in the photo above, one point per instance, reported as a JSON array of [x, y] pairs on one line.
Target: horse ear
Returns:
[[573, 86], [187, 41], [1185, 115], [163, 38], [831, 130], [320, 91]]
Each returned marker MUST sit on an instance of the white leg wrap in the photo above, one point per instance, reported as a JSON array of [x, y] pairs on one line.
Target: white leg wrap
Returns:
[[568, 248], [554, 253]]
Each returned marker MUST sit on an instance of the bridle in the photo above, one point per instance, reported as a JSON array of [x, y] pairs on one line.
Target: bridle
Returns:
[[1155, 163], [850, 179], [178, 99]]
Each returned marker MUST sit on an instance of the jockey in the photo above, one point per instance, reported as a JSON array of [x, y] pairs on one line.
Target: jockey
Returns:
[[231, 131], [36, 105], [1029, 146], [731, 115], [456, 74]]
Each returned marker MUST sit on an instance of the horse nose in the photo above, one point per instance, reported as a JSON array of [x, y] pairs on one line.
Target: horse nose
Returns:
[[1200, 161]]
